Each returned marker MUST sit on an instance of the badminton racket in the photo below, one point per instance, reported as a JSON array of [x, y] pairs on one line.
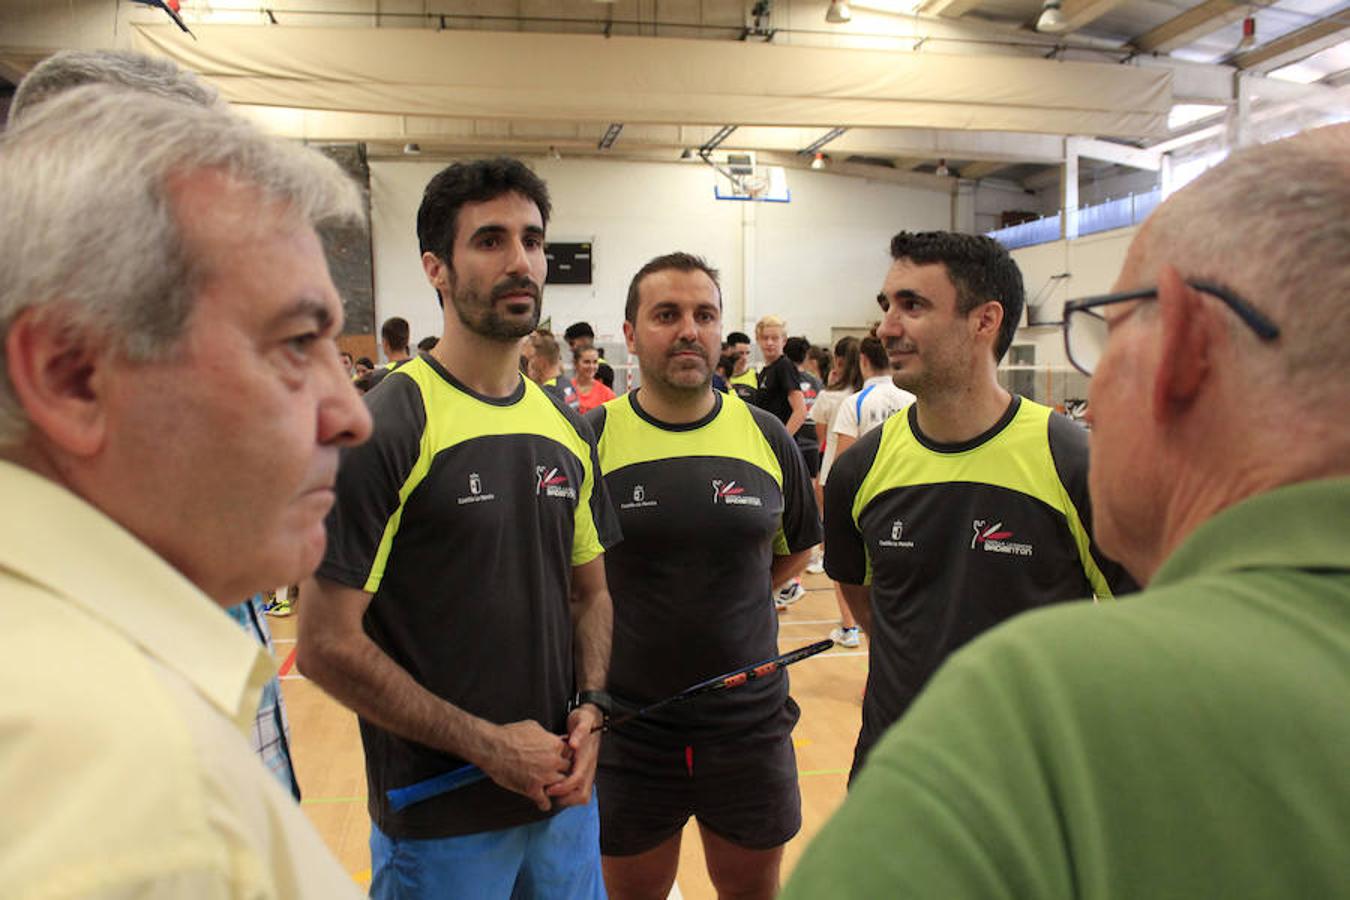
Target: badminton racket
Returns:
[[402, 798]]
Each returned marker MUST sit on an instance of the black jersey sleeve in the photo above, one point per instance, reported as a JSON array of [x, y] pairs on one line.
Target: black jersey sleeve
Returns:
[[1069, 449], [845, 552], [370, 477], [801, 519]]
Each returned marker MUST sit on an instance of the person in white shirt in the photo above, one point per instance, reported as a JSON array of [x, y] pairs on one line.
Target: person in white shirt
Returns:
[[876, 401]]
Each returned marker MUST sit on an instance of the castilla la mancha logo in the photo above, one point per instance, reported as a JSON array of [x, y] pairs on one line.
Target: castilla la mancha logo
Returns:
[[994, 540], [475, 494], [639, 500], [732, 494], [552, 483], [897, 536]]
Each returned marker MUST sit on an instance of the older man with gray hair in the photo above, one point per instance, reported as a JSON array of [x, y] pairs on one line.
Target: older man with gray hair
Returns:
[[1192, 740], [66, 69], [171, 408]]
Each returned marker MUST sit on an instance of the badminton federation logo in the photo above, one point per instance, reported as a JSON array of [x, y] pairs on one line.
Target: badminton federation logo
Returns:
[[992, 539], [549, 482], [732, 494]]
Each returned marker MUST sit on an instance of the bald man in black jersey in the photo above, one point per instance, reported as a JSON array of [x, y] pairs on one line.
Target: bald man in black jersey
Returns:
[[716, 507]]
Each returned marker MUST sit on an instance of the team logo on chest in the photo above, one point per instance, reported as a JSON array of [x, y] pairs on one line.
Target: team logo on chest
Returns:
[[993, 539], [897, 534], [475, 494], [639, 500], [732, 494], [550, 482]]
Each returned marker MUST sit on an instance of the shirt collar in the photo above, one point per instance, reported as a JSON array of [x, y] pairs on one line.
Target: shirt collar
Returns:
[[1298, 526], [878, 379], [54, 538]]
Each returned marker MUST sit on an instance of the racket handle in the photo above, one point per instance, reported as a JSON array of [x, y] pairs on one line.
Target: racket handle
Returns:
[[401, 798]]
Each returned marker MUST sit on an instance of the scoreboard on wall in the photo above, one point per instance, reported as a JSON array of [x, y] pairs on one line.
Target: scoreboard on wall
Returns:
[[568, 263]]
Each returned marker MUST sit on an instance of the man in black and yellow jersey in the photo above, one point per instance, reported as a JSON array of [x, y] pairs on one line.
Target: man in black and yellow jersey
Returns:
[[744, 380], [972, 505], [395, 334], [461, 608], [716, 508], [545, 368]]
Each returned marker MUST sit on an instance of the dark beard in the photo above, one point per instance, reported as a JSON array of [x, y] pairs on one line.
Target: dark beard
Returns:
[[482, 318]]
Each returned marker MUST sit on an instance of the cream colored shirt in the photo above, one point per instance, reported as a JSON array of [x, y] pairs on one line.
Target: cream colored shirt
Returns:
[[125, 695]]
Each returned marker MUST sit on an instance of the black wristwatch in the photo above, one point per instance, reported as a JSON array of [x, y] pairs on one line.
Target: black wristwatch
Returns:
[[599, 699]]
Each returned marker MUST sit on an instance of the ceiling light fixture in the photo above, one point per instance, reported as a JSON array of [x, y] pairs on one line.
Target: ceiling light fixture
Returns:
[[839, 12], [1248, 34], [942, 171], [1052, 19], [411, 149], [818, 162]]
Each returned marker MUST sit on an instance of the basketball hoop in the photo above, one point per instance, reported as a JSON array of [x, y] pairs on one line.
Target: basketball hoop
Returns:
[[755, 186]]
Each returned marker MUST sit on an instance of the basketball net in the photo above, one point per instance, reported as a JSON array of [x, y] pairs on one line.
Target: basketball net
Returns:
[[755, 186]]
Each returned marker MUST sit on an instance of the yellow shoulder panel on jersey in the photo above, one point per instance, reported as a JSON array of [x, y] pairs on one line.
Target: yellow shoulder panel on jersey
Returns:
[[454, 417], [628, 439]]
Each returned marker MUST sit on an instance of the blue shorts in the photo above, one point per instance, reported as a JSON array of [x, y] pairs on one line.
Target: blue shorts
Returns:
[[558, 857]]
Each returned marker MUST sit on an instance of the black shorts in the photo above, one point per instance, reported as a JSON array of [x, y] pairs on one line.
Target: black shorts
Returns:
[[744, 789], [811, 455]]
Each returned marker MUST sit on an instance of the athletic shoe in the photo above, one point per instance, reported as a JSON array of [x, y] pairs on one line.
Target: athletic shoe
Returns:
[[280, 607], [815, 567], [845, 637], [789, 595]]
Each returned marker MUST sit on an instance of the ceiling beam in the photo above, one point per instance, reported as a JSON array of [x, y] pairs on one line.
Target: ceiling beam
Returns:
[[948, 9], [1294, 46], [1115, 153], [1078, 13], [1194, 23], [977, 170]]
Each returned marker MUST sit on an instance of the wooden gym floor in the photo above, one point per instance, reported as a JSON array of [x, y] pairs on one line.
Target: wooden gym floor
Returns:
[[326, 746]]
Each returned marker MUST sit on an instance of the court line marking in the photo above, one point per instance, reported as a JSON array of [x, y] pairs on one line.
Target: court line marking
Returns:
[[283, 640], [288, 664], [308, 801]]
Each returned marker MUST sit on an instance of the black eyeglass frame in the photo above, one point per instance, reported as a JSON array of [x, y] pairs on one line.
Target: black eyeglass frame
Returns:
[[1252, 317]]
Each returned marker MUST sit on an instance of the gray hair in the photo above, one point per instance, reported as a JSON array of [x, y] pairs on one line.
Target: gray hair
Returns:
[[134, 71], [90, 225], [1270, 222]]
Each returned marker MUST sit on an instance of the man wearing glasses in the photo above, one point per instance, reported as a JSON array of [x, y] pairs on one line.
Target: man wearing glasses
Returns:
[[1192, 741], [972, 506]]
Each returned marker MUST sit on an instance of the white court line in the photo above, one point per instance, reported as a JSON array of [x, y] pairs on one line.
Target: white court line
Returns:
[[283, 640], [675, 893], [291, 677]]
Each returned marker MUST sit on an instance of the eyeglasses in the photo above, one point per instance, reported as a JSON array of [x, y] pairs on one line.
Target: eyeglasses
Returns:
[[1085, 330]]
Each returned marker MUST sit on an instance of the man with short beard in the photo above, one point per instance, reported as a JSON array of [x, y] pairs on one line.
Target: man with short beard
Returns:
[[716, 506], [972, 505], [461, 608]]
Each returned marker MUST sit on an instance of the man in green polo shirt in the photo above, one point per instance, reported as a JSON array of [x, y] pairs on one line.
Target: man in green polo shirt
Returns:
[[1191, 740]]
